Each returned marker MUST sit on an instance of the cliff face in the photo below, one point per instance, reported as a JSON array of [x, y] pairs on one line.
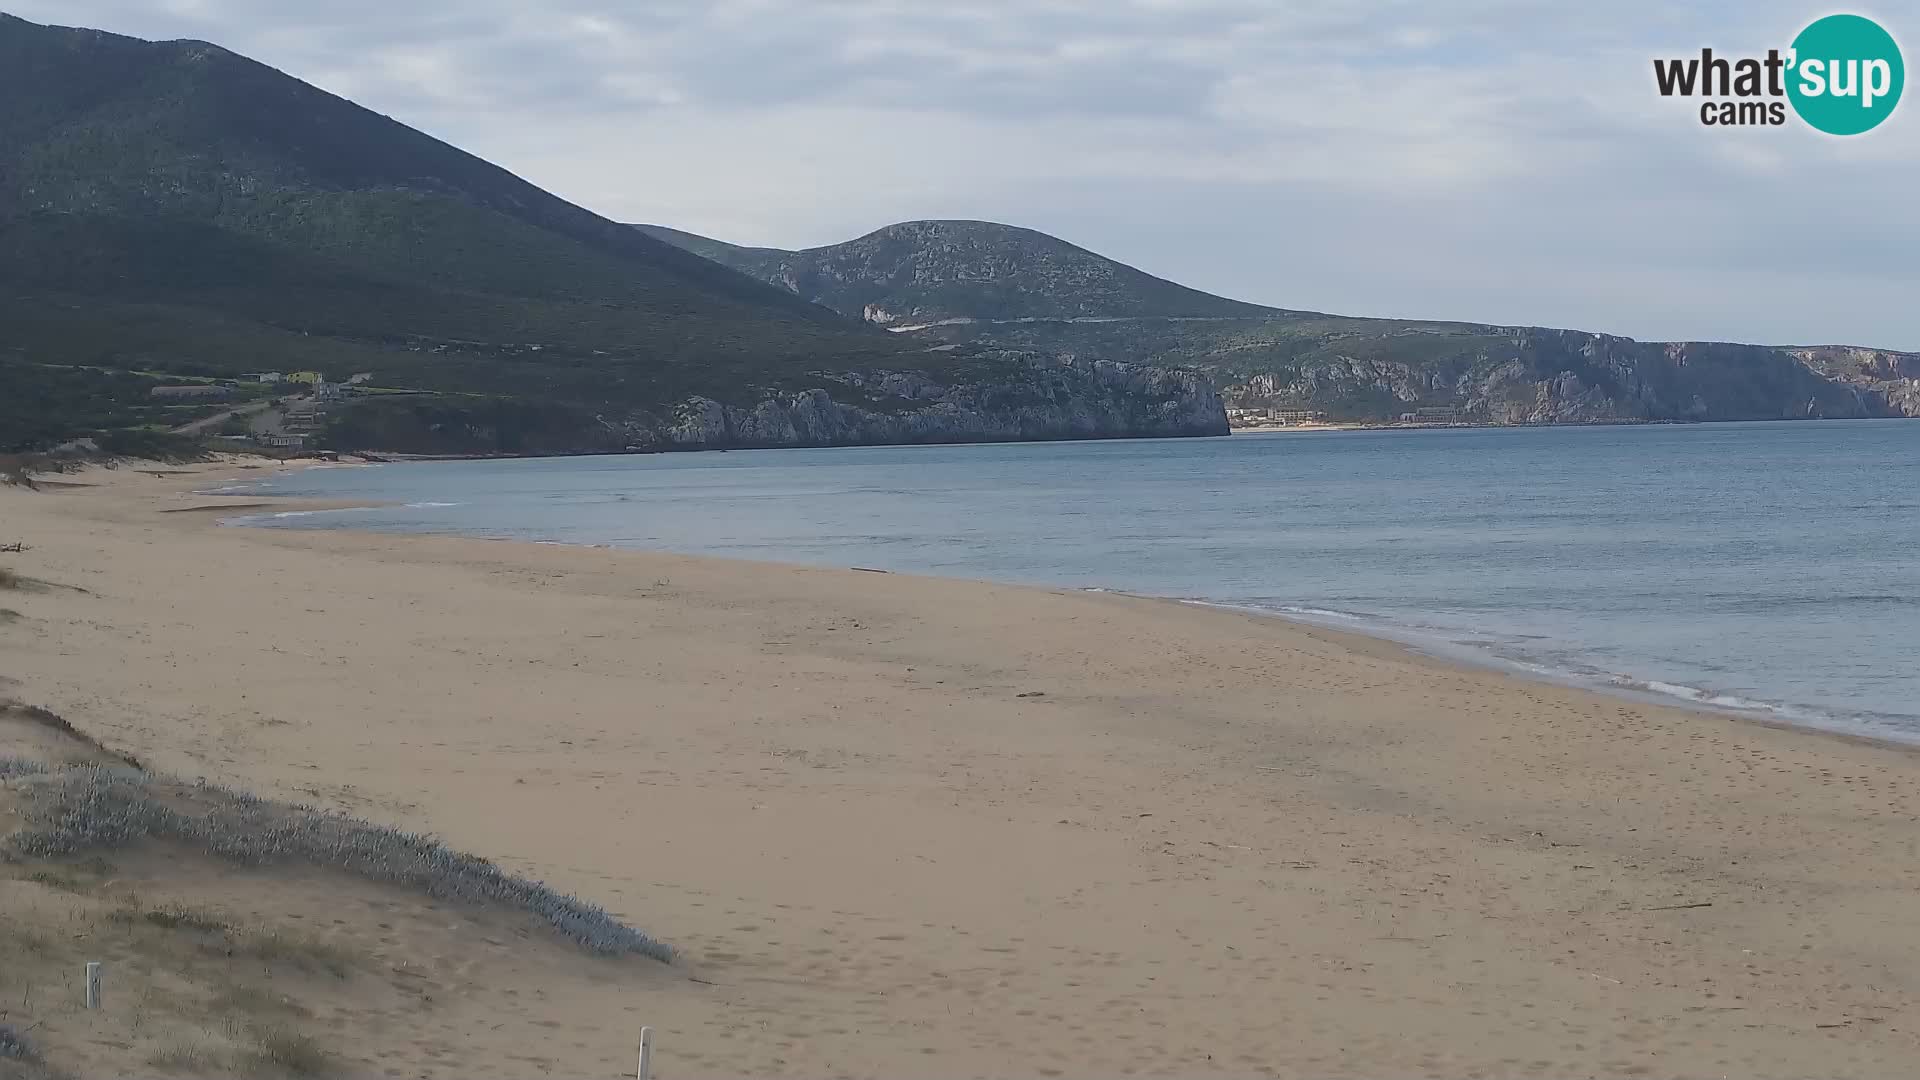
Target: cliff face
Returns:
[[1882, 374], [1054, 399], [1533, 376], [1018, 398]]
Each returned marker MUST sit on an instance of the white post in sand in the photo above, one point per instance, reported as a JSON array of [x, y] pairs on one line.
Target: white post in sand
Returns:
[[646, 1053], [93, 984]]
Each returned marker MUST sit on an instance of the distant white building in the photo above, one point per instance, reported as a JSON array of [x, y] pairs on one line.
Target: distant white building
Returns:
[[261, 377]]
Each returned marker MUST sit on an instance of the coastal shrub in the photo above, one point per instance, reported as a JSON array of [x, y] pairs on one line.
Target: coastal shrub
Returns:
[[184, 1057], [14, 1045], [145, 444], [11, 767], [88, 808]]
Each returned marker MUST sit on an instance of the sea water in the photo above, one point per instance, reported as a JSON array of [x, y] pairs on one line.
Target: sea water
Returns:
[[1770, 568]]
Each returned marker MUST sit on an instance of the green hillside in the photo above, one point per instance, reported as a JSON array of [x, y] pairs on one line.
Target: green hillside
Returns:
[[175, 208], [925, 271], [98, 124]]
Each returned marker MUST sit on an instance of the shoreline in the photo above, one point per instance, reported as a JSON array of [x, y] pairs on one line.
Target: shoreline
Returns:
[[913, 826], [1411, 644], [1429, 643], [1621, 685]]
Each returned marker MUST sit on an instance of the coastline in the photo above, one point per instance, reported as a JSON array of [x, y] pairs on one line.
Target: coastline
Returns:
[[1473, 648], [934, 827], [1621, 685], [1430, 647]]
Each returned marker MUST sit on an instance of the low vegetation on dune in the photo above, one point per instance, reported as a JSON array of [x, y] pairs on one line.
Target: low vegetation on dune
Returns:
[[191, 990], [85, 809], [238, 934]]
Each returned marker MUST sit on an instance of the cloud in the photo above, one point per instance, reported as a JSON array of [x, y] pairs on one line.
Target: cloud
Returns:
[[1496, 160]]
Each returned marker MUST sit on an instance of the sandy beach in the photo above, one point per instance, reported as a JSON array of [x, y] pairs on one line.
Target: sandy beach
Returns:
[[905, 826]]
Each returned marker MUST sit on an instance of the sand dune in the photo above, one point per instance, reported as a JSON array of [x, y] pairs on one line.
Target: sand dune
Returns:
[[902, 826]]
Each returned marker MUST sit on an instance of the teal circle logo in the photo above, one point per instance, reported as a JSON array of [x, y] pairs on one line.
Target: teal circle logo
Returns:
[[1846, 75]]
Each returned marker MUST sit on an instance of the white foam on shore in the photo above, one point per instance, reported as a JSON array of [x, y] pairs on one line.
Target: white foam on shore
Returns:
[[1321, 613], [1701, 696], [313, 513], [281, 515]]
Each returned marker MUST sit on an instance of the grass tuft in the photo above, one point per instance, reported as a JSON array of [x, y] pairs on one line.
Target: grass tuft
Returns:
[[289, 1052], [175, 918], [303, 952], [276, 948], [184, 1057], [55, 879]]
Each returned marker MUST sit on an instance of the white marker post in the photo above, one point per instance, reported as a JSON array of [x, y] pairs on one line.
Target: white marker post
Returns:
[[93, 984], [646, 1053]]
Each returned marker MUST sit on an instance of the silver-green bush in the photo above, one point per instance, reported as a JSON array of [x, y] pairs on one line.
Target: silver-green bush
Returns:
[[86, 808]]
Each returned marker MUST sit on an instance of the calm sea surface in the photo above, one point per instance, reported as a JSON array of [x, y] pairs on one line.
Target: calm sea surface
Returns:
[[1770, 567]]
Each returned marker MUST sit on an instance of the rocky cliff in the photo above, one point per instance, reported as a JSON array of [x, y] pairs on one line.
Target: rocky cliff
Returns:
[[1537, 376], [1053, 399], [1882, 374], [1011, 397]]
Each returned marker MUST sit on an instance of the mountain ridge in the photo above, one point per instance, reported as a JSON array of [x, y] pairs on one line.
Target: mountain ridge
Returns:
[[935, 268], [1352, 368]]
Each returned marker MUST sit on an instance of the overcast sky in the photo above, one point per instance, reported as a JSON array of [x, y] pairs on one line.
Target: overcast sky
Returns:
[[1489, 160]]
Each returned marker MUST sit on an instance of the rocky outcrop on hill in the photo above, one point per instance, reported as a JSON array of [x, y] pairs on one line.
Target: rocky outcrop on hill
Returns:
[[1883, 374], [1011, 397], [1055, 399], [1537, 376]]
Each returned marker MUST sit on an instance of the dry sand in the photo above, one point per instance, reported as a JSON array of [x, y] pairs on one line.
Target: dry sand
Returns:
[[912, 827]]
